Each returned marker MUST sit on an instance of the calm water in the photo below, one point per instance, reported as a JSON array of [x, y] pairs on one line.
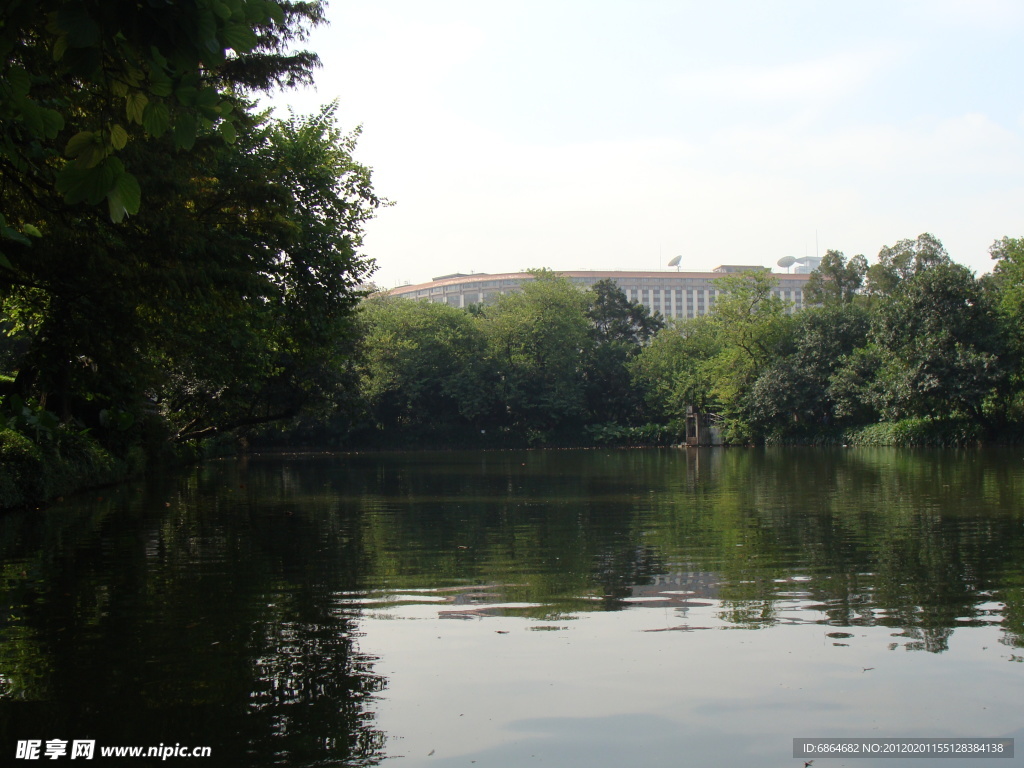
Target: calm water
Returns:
[[583, 608]]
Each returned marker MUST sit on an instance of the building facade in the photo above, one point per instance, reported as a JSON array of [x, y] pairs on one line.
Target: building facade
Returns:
[[671, 294]]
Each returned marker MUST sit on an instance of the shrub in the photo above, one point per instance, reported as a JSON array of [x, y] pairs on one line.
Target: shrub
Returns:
[[31, 472], [22, 469], [923, 431]]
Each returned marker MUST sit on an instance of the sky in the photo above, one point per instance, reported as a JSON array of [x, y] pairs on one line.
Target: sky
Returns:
[[618, 134]]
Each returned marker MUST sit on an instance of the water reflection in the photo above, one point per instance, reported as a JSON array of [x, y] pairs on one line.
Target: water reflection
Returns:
[[172, 614], [231, 607]]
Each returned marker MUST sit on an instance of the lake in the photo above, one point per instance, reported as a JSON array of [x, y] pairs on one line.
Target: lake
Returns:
[[596, 608]]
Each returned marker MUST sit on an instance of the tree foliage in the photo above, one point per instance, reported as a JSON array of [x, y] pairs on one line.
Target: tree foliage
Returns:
[[836, 280], [288, 208], [617, 319], [83, 78], [422, 368], [675, 370], [538, 340], [224, 301], [937, 342], [902, 261], [932, 343], [620, 328], [751, 323], [1004, 290], [224, 304], [794, 392]]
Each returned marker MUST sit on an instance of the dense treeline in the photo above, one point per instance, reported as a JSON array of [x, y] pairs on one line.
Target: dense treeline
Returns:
[[547, 364], [913, 348]]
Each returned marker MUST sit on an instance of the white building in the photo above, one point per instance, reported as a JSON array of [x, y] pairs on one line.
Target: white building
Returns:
[[672, 294]]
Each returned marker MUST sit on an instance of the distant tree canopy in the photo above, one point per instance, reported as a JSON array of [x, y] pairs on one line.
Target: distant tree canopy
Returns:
[[536, 365], [617, 319], [836, 280], [913, 337]]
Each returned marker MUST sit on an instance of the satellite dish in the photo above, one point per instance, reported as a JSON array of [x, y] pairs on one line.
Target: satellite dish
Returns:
[[675, 261], [786, 262]]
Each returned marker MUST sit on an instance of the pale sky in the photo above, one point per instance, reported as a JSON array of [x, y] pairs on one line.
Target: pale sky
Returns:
[[617, 134]]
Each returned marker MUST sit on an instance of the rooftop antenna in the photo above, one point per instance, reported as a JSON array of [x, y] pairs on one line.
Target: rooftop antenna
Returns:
[[675, 262]]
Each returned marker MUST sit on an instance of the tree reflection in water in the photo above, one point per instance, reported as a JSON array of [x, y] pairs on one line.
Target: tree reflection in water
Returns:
[[177, 616]]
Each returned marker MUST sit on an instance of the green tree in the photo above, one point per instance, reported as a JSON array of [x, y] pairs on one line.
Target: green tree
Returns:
[[674, 371], [289, 206], [83, 78], [1004, 288], [615, 318], [225, 304], [836, 280], [793, 393], [903, 260], [853, 386], [752, 324], [538, 341], [937, 339], [98, 100], [422, 368], [620, 329]]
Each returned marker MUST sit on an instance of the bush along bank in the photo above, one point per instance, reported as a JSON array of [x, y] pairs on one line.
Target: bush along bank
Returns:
[[905, 433], [926, 432], [35, 472]]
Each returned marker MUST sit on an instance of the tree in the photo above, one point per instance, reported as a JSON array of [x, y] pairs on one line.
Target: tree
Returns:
[[853, 386], [1004, 288], [620, 329], [836, 280], [83, 78], [225, 300], [674, 370], [290, 205], [938, 341], [794, 392], [752, 323], [616, 318], [903, 260], [225, 304], [538, 340], [714, 362], [422, 367]]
